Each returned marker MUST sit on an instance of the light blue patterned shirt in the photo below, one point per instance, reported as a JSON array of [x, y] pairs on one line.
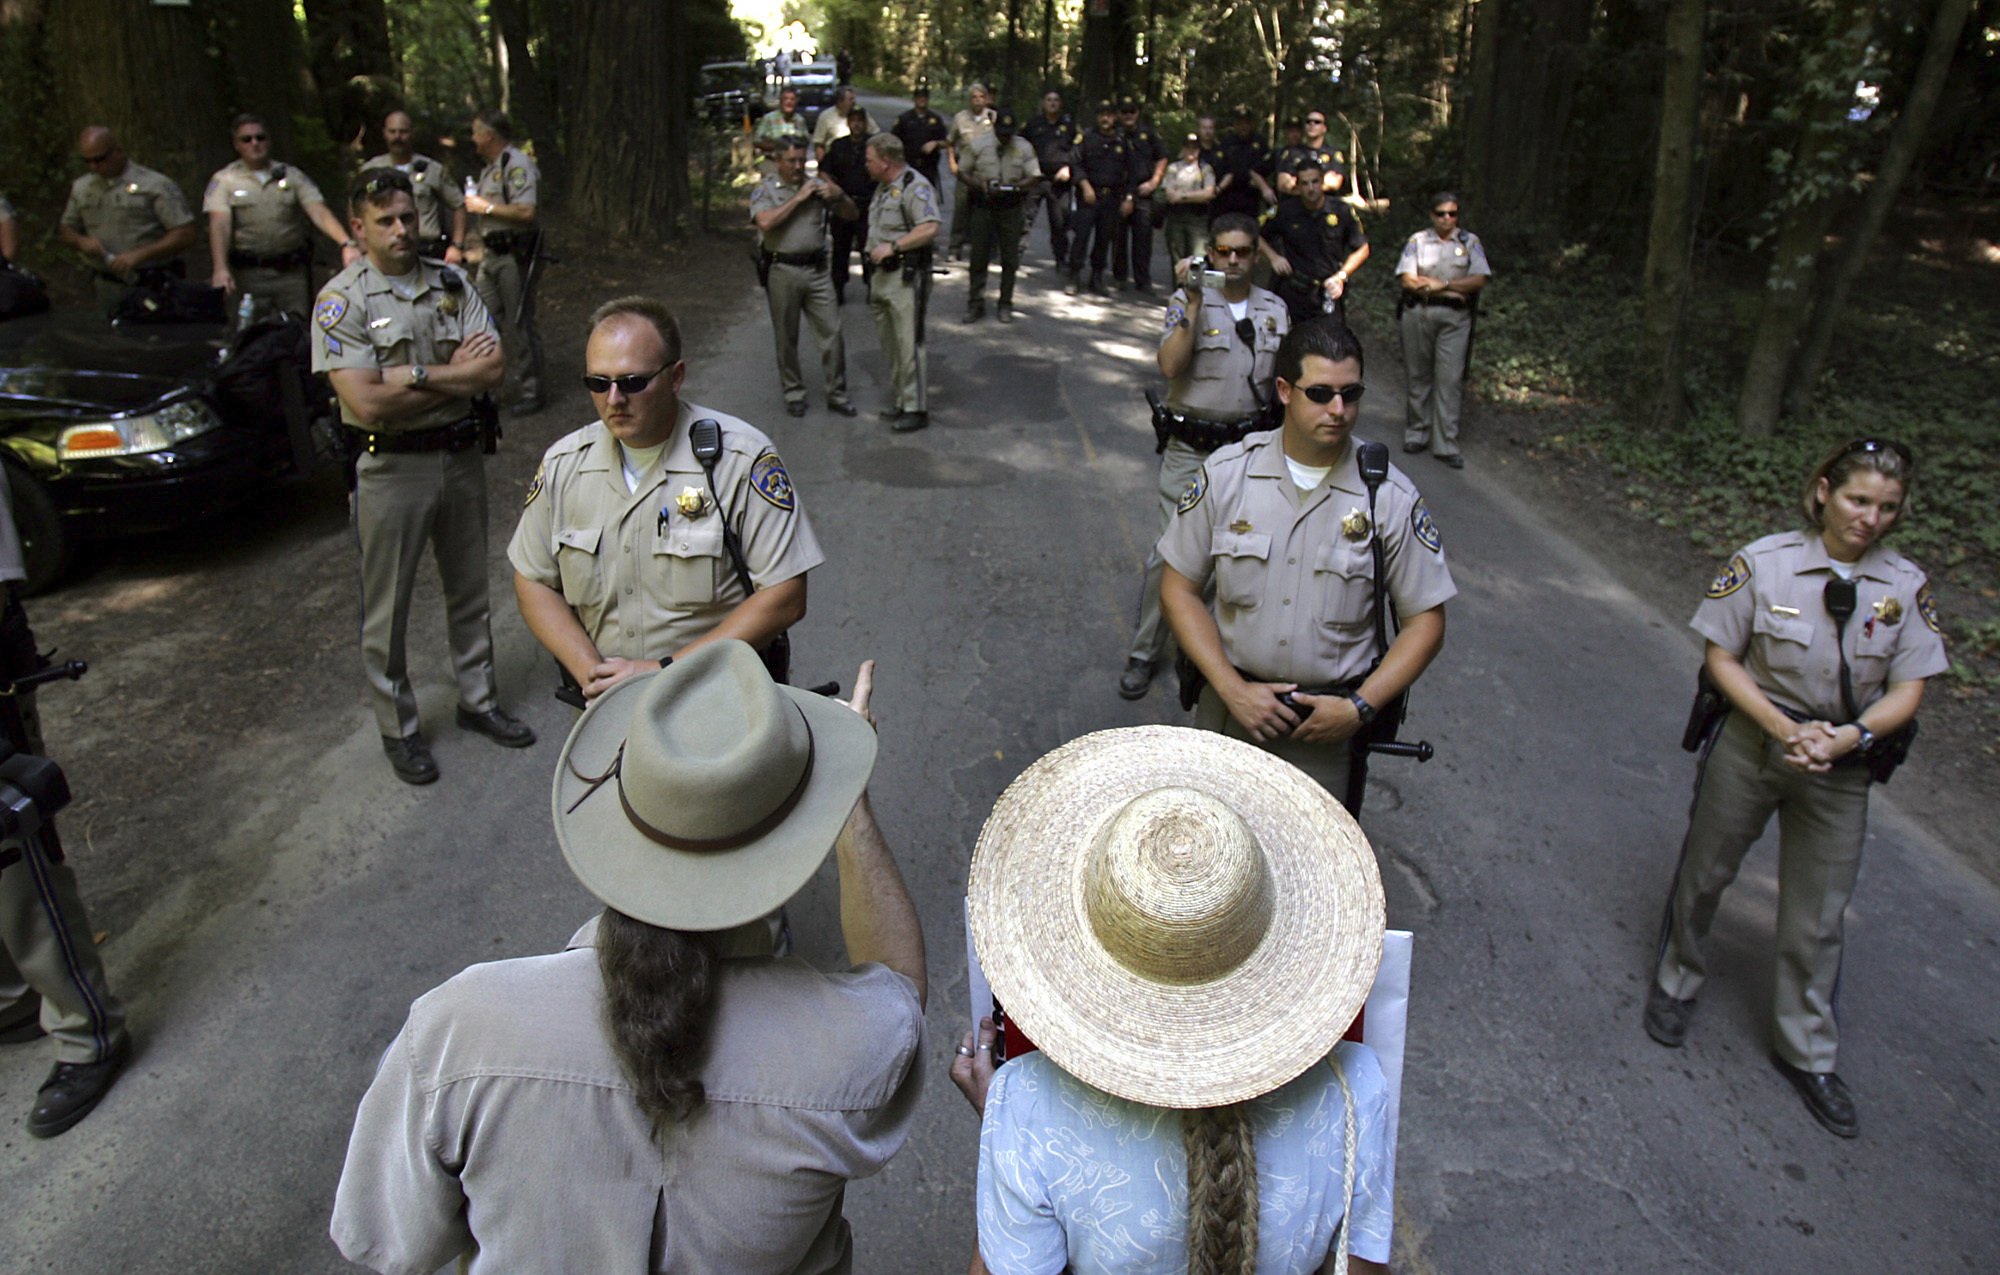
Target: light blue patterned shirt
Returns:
[[1070, 1175]]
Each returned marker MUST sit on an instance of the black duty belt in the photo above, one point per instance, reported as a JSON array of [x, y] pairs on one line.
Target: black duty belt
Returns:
[[810, 260], [292, 260], [1418, 298], [1200, 432], [514, 243], [459, 436]]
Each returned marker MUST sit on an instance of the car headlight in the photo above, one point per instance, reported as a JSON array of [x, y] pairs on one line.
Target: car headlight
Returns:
[[136, 435]]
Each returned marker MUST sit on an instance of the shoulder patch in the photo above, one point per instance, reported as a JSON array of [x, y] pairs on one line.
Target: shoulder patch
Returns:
[[330, 309], [1197, 488], [1424, 529], [770, 480], [1733, 577], [535, 484], [1927, 608]]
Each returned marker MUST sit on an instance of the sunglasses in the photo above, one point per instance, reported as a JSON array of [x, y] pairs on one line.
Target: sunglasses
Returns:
[[1349, 395], [94, 160], [247, 138], [1314, 119], [385, 183], [635, 383], [1444, 212], [1219, 250], [1877, 445]]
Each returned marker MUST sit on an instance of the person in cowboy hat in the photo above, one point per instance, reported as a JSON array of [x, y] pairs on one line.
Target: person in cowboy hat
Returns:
[[642, 1092], [1184, 926]]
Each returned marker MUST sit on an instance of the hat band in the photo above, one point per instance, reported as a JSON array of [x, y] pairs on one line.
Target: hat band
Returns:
[[672, 842]]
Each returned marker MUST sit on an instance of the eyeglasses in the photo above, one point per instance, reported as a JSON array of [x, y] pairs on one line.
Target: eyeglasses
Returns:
[[95, 160], [1219, 250], [1877, 445], [247, 138], [1444, 212], [1349, 395], [1315, 119], [635, 383]]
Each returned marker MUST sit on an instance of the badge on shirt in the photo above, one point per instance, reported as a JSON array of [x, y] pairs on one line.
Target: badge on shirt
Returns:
[[1889, 610], [770, 480], [330, 309], [1733, 577], [1333, 219], [1927, 608], [691, 502], [132, 188], [535, 484], [1425, 530], [1241, 527], [1192, 493], [1355, 525]]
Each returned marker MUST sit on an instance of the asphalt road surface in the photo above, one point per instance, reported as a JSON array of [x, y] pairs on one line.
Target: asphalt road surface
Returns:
[[270, 942]]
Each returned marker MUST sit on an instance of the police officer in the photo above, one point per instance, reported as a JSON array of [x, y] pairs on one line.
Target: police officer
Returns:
[[506, 203], [1104, 187], [1314, 245], [969, 127], [902, 225], [836, 122], [408, 346], [1309, 147], [258, 217], [790, 212], [620, 561], [846, 162], [1148, 156], [1218, 353], [1242, 173], [51, 977], [122, 217], [1000, 172], [1812, 695], [1442, 271], [922, 132], [1189, 189], [1281, 522], [440, 203], [1054, 136]]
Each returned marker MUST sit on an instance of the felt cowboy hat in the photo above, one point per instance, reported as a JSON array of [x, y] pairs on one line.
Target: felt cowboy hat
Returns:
[[704, 795], [1174, 917]]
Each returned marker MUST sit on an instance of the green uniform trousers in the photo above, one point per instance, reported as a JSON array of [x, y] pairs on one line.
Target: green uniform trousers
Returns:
[[1821, 820], [501, 282], [1187, 232], [894, 305], [1435, 341], [286, 290], [1007, 224], [1326, 763], [795, 290], [1178, 466], [401, 502]]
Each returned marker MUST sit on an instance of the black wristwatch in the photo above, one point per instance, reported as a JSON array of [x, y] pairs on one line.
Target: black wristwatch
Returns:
[[1363, 708], [1867, 744]]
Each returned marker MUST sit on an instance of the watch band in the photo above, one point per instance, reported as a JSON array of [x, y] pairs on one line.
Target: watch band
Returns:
[[1867, 744], [1363, 708]]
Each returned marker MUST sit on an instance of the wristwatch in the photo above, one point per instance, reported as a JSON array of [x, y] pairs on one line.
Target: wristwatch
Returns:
[[418, 375], [1363, 708], [1867, 744]]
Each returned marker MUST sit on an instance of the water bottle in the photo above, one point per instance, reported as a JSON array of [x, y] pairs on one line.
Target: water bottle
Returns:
[[246, 309]]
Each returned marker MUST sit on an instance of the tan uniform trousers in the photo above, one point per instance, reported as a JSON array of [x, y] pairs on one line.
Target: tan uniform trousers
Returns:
[[894, 305], [1435, 341], [801, 289], [402, 501], [1178, 466], [1326, 763], [500, 282], [286, 290], [1821, 819]]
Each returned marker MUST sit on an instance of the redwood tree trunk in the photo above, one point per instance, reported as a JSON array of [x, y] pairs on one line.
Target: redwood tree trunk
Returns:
[[1667, 249], [1527, 58], [143, 72], [530, 100], [626, 119]]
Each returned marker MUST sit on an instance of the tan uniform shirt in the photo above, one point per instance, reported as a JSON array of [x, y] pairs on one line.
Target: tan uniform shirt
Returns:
[[831, 127], [1217, 382], [511, 178], [1768, 609], [803, 231], [266, 206], [901, 206], [991, 162], [130, 211], [644, 574], [968, 129], [1186, 177], [1454, 257], [437, 195], [1294, 580], [366, 322]]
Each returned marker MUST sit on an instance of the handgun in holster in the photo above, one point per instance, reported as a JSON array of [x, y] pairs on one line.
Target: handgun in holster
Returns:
[[1705, 714]]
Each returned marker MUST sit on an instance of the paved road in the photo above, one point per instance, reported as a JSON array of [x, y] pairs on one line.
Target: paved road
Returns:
[[270, 941]]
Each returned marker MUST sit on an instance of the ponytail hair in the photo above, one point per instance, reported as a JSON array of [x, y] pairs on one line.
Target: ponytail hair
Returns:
[[1222, 1190], [659, 1003]]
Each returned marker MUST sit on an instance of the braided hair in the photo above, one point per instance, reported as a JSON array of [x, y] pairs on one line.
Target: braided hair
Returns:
[[1222, 1190]]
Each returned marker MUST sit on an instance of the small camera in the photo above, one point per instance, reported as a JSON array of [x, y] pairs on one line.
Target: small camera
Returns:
[[1203, 274]]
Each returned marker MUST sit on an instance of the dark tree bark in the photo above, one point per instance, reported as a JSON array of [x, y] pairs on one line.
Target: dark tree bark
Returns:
[[1527, 58], [352, 62], [1107, 49], [627, 117], [1668, 268], [528, 91], [143, 72], [264, 65]]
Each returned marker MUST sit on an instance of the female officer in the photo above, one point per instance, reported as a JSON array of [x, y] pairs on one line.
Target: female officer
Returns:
[[1820, 642]]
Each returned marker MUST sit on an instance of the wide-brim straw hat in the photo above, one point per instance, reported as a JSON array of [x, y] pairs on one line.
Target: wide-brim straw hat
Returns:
[[1175, 917], [705, 795]]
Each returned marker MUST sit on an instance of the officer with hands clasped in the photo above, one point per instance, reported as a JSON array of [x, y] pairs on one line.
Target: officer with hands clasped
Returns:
[[1281, 523], [1148, 154], [922, 132], [999, 174], [506, 202], [1218, 353], [1442, 271], [1314, 244], [440, 203], [970, 127], [122, 216], [1054, 136], [258, 211], [790, 212], [1104, 189], [902, 225], [621, 560], [408, 346]]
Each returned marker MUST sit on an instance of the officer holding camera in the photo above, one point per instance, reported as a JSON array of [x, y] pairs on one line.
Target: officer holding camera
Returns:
[[51, 978], [999, 173], [1217, 351]]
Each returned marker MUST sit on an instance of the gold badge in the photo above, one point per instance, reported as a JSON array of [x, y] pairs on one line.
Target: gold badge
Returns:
[[1355, 525], [448, 305], [132, 189], [1889, 610], [1240, 526], [691, 502]]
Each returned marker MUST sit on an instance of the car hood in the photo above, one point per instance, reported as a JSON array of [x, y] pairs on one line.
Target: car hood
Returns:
[[77, 363]]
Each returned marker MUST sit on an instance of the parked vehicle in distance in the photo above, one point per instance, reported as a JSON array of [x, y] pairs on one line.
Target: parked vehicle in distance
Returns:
[[816, 82], [728, 92]]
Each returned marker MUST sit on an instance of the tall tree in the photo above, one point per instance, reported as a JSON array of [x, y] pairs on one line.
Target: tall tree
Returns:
[[353, 63], [1526, 59], [528, 91], [1668, 265], [627, 117], [143, 71]]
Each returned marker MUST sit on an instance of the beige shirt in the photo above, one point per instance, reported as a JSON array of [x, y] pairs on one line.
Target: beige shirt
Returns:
[[901, 206], [266, 206], [1768, 609], [1187, 177], [1217, 382], [511, 178], [364, 322], [967, 128], [803, 231], [1012, 163], [132, 210], [1294, 579], [437, 195], [830, 128], [644, 586], [1453, 257], [501, 1127]]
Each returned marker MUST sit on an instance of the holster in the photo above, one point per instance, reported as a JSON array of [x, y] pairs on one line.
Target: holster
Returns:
[[487, 413], [1891, 751], [1705, 715], [763, 260], [1200, 433], [1192, 679]]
